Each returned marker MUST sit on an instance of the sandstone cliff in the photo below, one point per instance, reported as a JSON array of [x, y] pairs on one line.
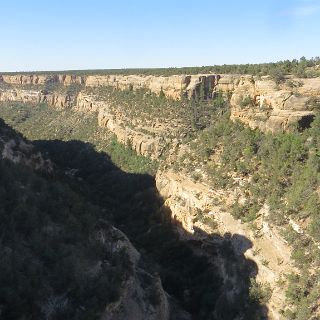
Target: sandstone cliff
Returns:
[[53, 99], [261, 103], [140, 142], [17, 150], [173, 87], [141, 295], [41, 79], [200, 210], [257, 102]]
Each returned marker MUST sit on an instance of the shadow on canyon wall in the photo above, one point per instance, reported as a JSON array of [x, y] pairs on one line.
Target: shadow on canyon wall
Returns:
[[208, 275]]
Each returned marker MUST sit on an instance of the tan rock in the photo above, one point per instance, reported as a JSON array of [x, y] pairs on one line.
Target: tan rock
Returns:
[[27, 96], [173, 86], [140, 142], [264, 95], [86, 103], [272, 108], [184, 197]]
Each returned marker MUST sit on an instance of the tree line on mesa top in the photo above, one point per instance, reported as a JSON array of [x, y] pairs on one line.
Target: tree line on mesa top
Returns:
[[302, 67]]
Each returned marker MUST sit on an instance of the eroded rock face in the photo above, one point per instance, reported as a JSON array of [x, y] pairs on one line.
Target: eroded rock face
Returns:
[[141, 295], [134, 299], [173, 87], [191, 202], [142, 143], [25, 79], [27, 96], [15, 149], [41, 79], [257, 102], [87, 103], [68, 79], [57, 100], [272, 108]]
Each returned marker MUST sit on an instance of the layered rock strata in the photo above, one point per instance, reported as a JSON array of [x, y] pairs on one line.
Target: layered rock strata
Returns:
[[173, 87], [262, 104], [144, 144], [54, 99], [257, 102], [194, 205]]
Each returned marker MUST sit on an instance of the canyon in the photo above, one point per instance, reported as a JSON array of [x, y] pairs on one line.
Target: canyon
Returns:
[[197, 208], [259, 102]]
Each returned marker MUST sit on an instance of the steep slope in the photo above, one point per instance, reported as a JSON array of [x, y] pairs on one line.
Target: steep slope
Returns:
[[60, 255], [190, 275]]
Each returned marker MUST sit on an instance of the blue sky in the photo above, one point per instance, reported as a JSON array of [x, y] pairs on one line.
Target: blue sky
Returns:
[[100, 34]]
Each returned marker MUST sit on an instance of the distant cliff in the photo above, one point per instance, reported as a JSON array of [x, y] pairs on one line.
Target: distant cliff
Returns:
[[257, 102]]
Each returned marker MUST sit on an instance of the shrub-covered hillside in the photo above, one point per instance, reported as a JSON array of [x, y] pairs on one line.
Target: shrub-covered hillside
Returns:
[[55, 264]]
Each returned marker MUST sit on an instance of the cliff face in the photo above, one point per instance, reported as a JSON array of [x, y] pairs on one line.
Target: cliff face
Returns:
[[261, 103], [54, 99], [258, 103], [35, 79], [19, 151], [195, 205], [144, 144], [173, 87], [133, 302]]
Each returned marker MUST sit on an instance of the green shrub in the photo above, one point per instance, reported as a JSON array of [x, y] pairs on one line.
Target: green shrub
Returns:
[[246, 102]]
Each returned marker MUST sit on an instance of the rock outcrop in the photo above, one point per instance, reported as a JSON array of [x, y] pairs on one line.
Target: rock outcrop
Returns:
[[41, 79], [55, 99], [144, 144], [87, 103], [194, 206], [19, 79], [141, 295], [262, 104], [257, 102], [173, 87], [138, 299], [17, 150], [26, 96]]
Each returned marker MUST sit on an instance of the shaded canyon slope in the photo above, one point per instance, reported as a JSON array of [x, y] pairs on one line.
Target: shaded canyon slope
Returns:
[[62, 207]]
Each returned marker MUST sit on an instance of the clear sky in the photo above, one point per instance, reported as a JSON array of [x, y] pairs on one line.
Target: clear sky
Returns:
[[101, 34]]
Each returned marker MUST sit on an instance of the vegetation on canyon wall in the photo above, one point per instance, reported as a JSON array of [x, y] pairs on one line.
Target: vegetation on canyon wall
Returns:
[[280, 170], [43, 122], [51, 244], [50, 250]]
